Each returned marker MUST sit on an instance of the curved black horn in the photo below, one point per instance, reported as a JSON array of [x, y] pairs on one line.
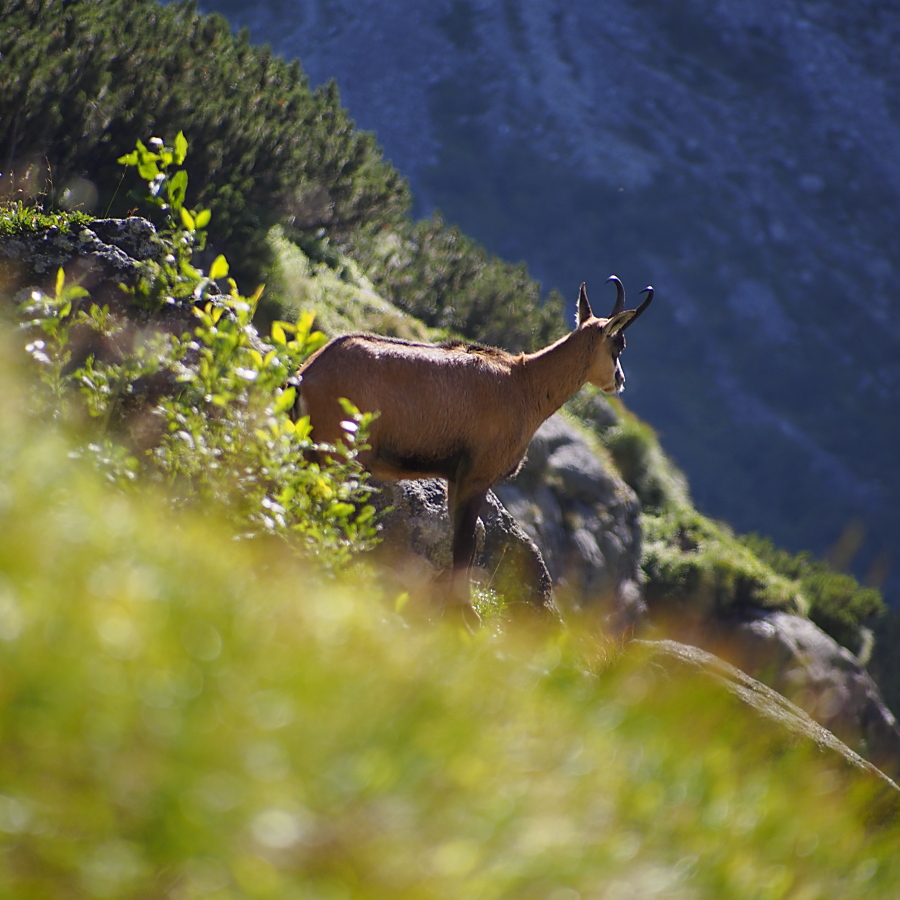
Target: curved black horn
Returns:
[[649, 292], [620, 296]]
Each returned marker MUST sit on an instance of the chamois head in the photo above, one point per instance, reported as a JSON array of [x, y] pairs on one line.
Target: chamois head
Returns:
[[605, 371]]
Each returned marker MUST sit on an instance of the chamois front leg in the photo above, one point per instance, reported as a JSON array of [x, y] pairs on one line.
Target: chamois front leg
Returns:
[[464, 506]]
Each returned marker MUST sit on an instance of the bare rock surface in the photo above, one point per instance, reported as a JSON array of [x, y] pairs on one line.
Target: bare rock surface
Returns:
[[773, 709], [792, 655], [585, 520], [416, 533]]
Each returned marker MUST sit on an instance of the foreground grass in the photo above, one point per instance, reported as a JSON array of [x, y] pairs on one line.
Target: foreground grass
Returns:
[[186, 716]]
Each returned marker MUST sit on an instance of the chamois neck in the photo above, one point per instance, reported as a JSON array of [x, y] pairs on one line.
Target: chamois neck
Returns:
[[559, 371]]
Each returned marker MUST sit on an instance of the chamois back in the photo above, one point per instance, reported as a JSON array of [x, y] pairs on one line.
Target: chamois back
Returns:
[[436, 405]]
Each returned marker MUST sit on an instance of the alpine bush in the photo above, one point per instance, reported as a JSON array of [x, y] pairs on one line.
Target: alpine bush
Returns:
[[219, 433], [79, 80]]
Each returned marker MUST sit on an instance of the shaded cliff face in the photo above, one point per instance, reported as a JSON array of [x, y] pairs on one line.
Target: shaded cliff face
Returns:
[[742, 157]]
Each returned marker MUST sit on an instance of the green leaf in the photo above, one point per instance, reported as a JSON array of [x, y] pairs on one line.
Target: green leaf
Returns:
[[201, 219], [278, 335], [348, 407], [285, 401], [60, 282], [181, 147], [342, 510], [75, 292], [129, 159], [366, 514], [187, 219], [189, 271], [302, 428], [219, 268], [176, 188], [304, 323], [315, 340], [147, 169]]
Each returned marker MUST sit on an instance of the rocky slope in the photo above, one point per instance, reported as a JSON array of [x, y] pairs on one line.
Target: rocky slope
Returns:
[[578, 532], [739, 156]]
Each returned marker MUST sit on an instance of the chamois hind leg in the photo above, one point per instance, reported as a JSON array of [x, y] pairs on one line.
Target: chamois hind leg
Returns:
[[464, 508]]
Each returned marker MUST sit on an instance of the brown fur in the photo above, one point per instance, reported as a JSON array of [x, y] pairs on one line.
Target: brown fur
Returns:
[[462, 412]]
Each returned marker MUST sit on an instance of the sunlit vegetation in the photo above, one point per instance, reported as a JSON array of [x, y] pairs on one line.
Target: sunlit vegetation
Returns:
[[188, 715], [202, 410], [203, 692]]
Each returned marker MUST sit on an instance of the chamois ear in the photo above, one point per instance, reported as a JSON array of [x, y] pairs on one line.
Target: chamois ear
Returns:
[[618, 322], [584, 308]]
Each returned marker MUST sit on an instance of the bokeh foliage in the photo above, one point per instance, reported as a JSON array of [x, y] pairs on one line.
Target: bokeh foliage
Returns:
[[188, 716]]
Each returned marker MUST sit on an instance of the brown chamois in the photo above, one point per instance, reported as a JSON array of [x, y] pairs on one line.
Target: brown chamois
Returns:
[[462, 412]]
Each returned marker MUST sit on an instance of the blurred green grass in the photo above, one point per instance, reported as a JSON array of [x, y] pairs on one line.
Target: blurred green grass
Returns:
[[186, 715]]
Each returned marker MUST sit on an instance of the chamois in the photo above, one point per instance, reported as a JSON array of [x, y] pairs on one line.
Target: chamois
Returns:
[[462, 412]]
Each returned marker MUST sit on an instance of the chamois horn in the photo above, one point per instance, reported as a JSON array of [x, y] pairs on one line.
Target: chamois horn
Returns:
[[649, 292], [620, 296]]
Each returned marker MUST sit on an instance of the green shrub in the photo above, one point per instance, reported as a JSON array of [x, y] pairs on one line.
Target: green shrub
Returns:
[[643, 465], [838, 604], [437, 274], [333, 288], [79, 80], [219, 432], [696, 567]]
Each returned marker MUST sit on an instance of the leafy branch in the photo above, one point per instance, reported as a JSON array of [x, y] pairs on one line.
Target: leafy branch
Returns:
[[207, 413]]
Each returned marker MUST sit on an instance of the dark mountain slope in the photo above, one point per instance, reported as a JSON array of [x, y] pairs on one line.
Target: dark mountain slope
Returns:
[[741, 157]]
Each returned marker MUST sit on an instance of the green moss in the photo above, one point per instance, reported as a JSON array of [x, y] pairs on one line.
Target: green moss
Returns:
[[333, 288], [644, 465], [634, 448], [698, 567], [17, 218], [838, 604]]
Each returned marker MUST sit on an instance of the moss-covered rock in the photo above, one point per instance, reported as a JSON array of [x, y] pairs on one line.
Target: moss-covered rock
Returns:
[[335, 289]]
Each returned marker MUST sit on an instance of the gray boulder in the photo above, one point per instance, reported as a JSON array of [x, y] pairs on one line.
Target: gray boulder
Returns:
[[773, 710], [586, 522], [795, 657], [417, 543], [99, 258]]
